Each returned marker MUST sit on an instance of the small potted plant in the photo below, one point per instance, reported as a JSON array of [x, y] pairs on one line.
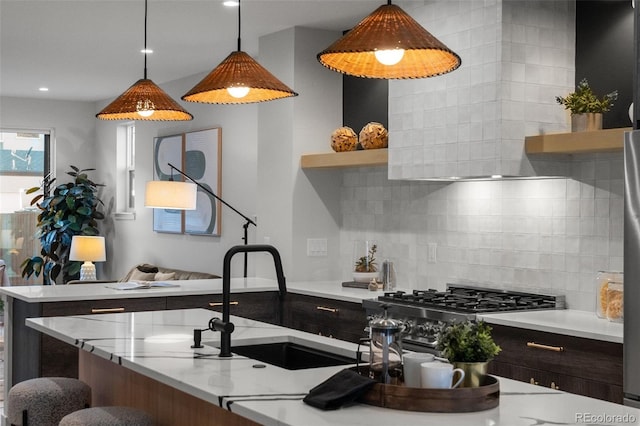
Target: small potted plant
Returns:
[[468, 345], [365, 268], [586, 108]]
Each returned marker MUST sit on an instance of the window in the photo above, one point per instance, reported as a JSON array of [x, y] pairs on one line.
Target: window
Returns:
[[131, 167], [24, 162], [126, 171]]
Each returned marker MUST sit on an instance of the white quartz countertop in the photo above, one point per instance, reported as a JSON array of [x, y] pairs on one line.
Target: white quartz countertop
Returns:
[[332, 290], [563, 321], [58, 293], [157, 345], [569, 322]]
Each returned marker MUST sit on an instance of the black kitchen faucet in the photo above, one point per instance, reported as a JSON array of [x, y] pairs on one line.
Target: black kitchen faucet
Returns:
[[224, 326]]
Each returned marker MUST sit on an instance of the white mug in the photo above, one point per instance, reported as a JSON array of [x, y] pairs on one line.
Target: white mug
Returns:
[[439, 375], [411, 362]]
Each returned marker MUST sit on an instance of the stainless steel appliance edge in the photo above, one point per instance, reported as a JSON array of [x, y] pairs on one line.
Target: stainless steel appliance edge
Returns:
[[631, 348]]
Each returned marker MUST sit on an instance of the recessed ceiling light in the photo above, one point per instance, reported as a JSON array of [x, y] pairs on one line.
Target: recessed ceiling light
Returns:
[[231, 3], [43, 89], [148, 51], [496, 176]]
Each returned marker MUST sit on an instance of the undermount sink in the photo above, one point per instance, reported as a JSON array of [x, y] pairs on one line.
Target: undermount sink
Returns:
[[291, 355]]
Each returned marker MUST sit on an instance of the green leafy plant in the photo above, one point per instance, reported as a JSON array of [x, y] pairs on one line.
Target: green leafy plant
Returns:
[[71, 209], [583, 100], [468, 341], [367, 263]]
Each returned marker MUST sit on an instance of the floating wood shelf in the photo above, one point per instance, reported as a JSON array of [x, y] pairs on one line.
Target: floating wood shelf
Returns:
[[608, 140], [367, 157]]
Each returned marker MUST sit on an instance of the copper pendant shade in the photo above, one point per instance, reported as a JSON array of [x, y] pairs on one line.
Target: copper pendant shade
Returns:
[[238, 70], [144, 100], [389, 27]]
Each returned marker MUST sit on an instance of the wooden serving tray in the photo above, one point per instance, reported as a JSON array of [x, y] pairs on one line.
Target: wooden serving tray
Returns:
[[459, 400]]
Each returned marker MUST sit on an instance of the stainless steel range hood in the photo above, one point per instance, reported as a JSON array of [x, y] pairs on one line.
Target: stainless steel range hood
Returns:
[[471, 123]]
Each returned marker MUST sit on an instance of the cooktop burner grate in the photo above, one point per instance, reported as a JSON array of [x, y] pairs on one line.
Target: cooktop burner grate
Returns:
[[425, 312], [473, 300]]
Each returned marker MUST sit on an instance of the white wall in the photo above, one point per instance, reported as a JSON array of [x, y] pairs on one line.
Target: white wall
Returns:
[[292, 205], [72, 125], [133, 241]]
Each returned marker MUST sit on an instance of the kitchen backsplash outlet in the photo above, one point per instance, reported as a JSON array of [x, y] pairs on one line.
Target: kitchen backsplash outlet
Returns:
[[545, 235]]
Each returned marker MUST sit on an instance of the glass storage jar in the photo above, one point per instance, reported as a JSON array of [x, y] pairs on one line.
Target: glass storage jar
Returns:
[[615, 302], [603, 279]]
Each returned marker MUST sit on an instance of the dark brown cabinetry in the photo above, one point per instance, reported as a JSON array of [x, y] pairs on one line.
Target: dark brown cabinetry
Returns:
[[35, 354], [573, 364], [259, 306], [327, 317]]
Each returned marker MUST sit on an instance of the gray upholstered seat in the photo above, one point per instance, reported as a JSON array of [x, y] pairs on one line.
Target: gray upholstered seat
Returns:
[[46, 400], [107, 416]]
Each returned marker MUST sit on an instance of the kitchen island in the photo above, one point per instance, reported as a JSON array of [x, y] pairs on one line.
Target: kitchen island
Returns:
[[155, 347]]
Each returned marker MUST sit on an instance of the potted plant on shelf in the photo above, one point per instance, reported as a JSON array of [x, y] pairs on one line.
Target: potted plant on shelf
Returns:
[[468, 345], [586, 108], [71, 209], [365, 268]]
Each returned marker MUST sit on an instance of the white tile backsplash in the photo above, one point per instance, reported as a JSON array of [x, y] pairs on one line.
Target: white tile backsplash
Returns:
[[516, 57], [548, 235]]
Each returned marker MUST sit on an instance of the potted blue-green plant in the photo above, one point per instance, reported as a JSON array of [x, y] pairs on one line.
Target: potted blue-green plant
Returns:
[[70, 209], [586, 108]]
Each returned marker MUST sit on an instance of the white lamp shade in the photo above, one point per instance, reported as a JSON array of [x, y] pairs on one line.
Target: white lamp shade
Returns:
[[170, 194], [87, 248]]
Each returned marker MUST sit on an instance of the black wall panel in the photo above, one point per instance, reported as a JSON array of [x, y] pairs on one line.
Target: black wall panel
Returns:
[[605, 55], [364, 100]]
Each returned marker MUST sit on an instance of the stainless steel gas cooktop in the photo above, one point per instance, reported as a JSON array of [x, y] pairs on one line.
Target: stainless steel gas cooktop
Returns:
[[425, 312]]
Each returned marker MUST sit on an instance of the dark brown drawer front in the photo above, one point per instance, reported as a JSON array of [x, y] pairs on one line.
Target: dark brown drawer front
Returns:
[[259, 306], [61, 359], [333, 318], [552, 380], [586, 358], [84, 307]]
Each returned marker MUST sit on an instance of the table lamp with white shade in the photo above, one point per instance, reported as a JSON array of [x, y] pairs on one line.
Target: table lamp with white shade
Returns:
[[88, 249]]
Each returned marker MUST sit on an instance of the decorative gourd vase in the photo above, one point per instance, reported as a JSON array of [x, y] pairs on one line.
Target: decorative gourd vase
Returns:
[[474, 373], [586, 122]]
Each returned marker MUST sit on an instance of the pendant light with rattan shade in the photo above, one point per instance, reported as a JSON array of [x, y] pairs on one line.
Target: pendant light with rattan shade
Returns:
[[144, 100], [389, 30], [238, 79]]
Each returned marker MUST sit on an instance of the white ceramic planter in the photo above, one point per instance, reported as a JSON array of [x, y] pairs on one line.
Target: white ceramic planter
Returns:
[[364, 277]]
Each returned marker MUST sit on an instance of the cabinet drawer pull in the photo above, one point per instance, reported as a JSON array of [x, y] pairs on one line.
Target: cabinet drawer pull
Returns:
[[545, 347], [106, 310], [324, 308], [216, 304]]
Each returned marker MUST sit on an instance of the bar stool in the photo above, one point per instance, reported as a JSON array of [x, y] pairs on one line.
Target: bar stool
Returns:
[[107, 416], [46, 400]]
